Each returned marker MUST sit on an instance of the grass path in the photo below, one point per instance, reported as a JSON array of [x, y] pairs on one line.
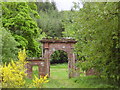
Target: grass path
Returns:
[[59, 79]]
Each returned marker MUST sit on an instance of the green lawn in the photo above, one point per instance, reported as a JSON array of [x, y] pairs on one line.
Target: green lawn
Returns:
[[59, 79]]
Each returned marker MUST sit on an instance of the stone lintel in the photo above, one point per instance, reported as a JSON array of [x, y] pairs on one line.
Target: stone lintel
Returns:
[[55, 40], [35, 59]]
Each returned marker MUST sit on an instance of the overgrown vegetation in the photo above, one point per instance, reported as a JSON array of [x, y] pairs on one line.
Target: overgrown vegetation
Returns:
[[13, 75], [8, 46], [59, 57], [19, 19], [95, 27]]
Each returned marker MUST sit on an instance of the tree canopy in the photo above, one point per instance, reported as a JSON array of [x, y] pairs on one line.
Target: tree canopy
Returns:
[[50, 20], [95, 27], [19, 19]]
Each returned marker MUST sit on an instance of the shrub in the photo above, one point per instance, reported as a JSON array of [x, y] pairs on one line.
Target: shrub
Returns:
[[59, 57], [13, 74], [38, 83], [8, 46]]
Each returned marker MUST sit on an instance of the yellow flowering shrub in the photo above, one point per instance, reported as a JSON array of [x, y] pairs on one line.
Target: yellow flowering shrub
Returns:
[[0, 74], [38, 83], [13, 74]]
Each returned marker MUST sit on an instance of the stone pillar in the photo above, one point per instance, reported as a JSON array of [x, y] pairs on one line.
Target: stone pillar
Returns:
[[29, 70], [46, 56], [42, 69], [70, 64]]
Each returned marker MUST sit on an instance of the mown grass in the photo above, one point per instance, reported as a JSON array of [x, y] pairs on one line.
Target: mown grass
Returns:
[[59, 79]]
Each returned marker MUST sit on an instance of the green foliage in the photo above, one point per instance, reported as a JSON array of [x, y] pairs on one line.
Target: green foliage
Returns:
[[59, 57], [50, 19], [93, 82], [95, 27], [8, 46], [19, 18], [51, 24], [46, 6]]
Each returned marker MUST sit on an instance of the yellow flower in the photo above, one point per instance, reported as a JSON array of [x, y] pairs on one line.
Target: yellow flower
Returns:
[[38, 83], [13, 73]]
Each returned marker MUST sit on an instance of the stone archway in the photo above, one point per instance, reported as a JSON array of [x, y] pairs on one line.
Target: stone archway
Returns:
[[40, 62], [67, 45]]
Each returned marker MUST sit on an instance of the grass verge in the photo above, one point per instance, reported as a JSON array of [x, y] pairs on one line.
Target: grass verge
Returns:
[[59, 79]]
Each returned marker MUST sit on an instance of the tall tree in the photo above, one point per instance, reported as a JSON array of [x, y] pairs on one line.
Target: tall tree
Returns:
[[19, 18], [50, 19], [51, 23], [8, 46], [95, 27], [46, 6]]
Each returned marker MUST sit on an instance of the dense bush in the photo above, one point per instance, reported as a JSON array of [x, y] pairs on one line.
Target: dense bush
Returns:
[[8, 46], [59, 57], [95, 27], [13, 75]]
